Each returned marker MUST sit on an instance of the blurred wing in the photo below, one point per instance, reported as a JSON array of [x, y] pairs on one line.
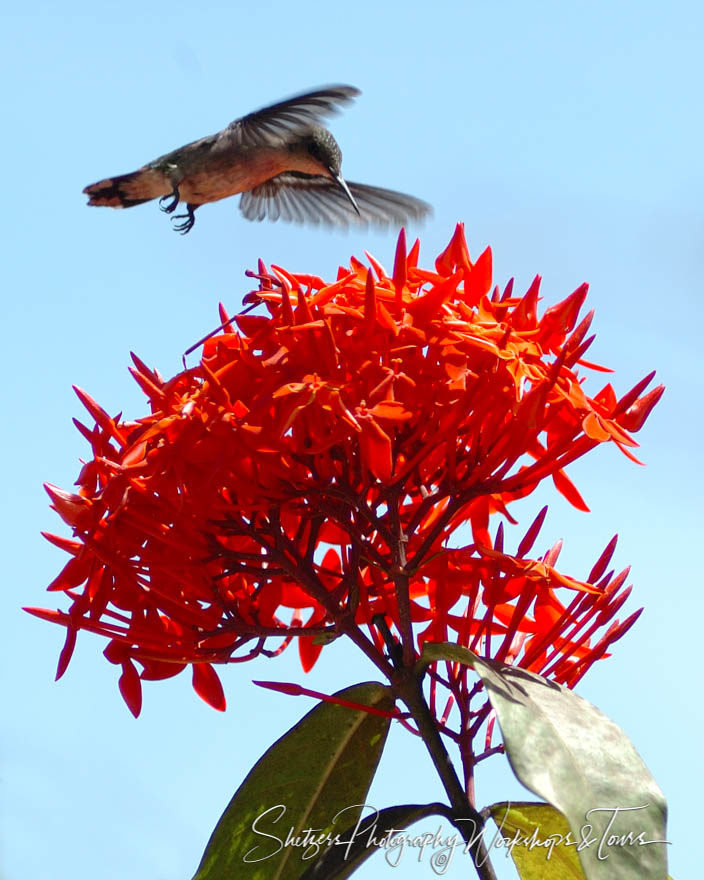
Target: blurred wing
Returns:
[[272, 124], [298, 198]]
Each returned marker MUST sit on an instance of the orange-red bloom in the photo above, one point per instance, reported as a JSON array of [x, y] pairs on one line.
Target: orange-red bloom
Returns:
[[316, 467]]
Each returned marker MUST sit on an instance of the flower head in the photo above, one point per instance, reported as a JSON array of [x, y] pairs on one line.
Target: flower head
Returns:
[[314, 471]]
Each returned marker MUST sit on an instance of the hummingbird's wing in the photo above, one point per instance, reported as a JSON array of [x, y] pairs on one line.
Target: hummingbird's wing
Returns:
[[271, 125], [298, 198]]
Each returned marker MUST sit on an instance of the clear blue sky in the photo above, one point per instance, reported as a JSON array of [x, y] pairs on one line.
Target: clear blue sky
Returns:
[[566, 135]]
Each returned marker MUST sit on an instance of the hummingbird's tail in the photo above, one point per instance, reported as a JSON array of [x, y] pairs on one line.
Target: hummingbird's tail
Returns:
[[128, 190]]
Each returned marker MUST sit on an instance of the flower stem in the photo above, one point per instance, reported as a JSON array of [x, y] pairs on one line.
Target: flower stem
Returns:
[[466, 818]]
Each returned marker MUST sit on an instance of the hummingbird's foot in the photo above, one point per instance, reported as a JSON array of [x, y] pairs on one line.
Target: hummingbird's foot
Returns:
[[188, 219], [171, 207]]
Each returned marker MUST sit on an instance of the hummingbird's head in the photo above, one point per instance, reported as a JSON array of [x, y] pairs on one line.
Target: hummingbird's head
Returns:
[[322, 148], [321, 155]]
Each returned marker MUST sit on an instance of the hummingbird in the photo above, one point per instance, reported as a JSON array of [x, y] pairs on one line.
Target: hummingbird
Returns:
[[283, 162]]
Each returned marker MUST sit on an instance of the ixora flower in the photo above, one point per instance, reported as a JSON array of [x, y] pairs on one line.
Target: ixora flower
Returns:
[[331, 466]]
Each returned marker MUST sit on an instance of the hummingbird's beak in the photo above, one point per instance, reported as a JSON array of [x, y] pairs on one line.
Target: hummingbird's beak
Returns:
[[346, 190]]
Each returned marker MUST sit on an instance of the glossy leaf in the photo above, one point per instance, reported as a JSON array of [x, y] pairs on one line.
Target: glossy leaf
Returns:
[[565, 750], [340, 861], [539, 840], [322, 766], [433, 651]]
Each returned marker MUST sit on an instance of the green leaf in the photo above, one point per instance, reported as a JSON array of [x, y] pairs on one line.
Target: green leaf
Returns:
[[536, 836], [434, 651], [323, 765], [361, 840], [569, 753]]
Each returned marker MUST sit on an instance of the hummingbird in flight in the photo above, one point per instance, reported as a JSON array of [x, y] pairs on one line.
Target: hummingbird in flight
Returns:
[[283, 162]]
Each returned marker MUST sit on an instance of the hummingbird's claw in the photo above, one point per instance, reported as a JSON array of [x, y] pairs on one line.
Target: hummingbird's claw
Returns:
[[188, 219], [171, 207]]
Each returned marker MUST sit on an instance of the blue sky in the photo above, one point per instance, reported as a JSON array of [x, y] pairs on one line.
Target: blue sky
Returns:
[[566, 135]]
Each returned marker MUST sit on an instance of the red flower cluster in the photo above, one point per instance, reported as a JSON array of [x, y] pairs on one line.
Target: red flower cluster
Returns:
[[313, 470]]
